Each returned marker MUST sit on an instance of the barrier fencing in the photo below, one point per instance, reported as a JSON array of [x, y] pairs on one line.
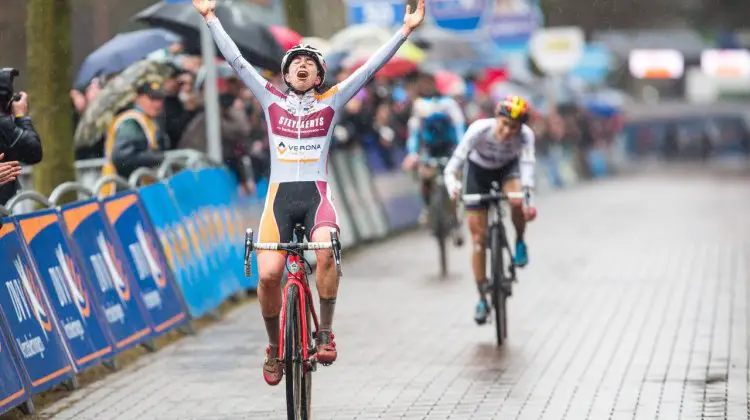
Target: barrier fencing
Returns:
[[85, 281]]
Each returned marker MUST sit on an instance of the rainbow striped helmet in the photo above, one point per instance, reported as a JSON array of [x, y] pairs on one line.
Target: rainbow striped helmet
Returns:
[[514, 107]]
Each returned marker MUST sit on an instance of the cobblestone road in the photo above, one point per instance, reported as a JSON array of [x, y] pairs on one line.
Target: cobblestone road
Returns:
[[635, 306]]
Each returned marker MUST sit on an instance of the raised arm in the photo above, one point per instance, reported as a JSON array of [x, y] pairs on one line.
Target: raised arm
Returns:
[[349, 87], [254, 81]]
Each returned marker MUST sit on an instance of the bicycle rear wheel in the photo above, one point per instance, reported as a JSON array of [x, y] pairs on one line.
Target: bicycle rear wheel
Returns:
[[498, 279], [298, 381]]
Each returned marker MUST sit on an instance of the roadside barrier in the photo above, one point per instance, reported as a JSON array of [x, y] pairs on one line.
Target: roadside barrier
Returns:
[[85, 281]]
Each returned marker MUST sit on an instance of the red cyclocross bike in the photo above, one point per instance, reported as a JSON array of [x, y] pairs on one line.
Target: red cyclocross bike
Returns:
[[296, 339]]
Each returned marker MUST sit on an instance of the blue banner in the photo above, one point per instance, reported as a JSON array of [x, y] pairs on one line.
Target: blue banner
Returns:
[[184, 186], [210, 205], [12, 387], [457, 15], [400, 197], [179, 248], [140, 247], [594, 65], [386, 13], [30, 319], [69, 291], [119, 297], [511, 23], [231, 244]]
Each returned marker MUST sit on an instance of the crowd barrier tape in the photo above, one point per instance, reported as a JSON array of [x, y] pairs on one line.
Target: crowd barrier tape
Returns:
[[33, 330], [133, 234], [14, 389], [103, 262]]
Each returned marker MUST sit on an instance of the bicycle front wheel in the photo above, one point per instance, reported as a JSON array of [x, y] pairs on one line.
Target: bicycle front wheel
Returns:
[[498, 280], [298, 380]]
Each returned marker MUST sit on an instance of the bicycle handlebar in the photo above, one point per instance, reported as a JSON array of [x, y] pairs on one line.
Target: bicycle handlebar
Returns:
[[335, 245], [492, 196], [292, 246], [433, 162]]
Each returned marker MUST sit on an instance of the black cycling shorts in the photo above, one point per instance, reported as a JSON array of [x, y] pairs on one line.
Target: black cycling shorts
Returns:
[[308, 203], [479, 180]]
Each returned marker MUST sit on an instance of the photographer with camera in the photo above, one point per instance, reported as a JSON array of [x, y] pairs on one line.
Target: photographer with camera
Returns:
[[19, 142]]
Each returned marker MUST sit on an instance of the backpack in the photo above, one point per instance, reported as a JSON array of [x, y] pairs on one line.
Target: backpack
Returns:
[[438, 129]]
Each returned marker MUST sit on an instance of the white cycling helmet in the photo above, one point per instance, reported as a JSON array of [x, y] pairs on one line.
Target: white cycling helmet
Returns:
[[306, 50]]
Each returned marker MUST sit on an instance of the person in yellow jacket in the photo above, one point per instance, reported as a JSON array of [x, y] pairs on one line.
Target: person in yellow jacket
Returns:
[[135, 139]]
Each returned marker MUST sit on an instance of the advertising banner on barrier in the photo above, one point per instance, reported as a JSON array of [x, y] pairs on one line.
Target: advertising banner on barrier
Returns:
[[218, 212], [365, 226], [184, 186], [141, 249], [247, 213], [12, 387], [362, 177], [349, 234], [68, 290], [179, 248], [400, 196], [30, 319], [118, 296]]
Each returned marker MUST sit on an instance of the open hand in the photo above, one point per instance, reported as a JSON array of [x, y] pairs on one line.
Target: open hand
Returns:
[[9, 171], [413, 20], [205, 7]]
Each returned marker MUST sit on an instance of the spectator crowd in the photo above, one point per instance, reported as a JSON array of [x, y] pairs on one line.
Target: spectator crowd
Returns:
[[168, 114]]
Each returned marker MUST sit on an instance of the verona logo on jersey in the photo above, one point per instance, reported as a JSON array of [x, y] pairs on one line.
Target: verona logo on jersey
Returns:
[[306, 150]]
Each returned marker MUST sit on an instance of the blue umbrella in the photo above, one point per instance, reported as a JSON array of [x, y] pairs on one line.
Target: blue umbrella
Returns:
[[122, 51]]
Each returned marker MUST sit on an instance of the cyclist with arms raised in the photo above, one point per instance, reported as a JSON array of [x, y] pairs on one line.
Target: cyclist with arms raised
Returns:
[[497, 149], [300, 122], [435, 128]]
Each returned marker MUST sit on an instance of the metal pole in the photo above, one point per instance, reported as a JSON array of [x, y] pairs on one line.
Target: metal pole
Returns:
[[211, 97]]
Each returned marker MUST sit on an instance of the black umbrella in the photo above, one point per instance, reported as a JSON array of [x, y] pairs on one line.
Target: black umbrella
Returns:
[[242, 21]]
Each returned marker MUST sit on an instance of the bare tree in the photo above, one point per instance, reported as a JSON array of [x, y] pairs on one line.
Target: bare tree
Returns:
[[48, 63]]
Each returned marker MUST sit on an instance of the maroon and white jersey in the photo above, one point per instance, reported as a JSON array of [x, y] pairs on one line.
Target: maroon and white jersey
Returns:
[[300, 127]]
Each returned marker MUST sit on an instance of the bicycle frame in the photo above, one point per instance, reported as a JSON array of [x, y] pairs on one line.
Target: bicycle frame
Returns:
[[296, 266], [297, 276]]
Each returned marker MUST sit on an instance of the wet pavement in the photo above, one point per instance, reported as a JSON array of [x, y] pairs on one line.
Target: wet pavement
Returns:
[[634, 306]]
